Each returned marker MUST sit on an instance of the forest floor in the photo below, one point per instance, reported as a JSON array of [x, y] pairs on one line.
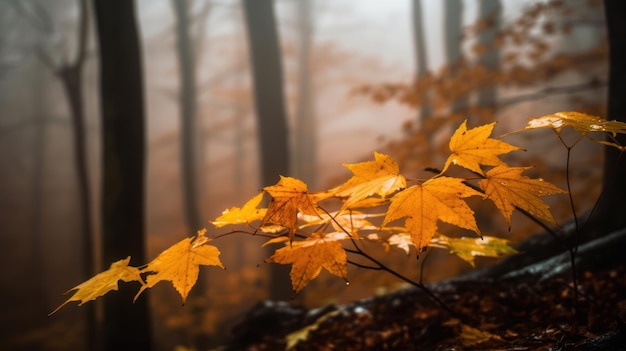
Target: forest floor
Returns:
[[497, 314]]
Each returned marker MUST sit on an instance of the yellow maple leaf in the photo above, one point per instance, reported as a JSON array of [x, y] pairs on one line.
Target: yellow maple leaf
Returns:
[[508, 189], [180, 264], [289, 196], [244, 215], [103, 282], [381, 176], [472, 148], [309, 256], [468, 248], [582, 123], [436, 199], [351, 222]]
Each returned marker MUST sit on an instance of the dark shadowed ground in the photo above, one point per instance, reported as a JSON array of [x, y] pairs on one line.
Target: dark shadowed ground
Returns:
[[529, 308]]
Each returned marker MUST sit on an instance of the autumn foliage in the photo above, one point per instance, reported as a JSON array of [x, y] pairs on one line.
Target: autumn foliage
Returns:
[[322, 230]]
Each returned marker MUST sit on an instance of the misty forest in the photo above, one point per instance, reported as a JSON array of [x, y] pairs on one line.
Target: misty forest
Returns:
[[312, 175]]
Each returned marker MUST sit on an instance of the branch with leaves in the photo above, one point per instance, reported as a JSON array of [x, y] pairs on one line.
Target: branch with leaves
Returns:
[[323, 230]]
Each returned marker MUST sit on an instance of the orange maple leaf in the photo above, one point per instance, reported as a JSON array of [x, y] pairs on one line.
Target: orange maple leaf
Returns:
[[244, 215], [308, 257], [472, 148], [103, 282], [436, 199], [508, 189], [381, 176], [289, 196], [180, 264]]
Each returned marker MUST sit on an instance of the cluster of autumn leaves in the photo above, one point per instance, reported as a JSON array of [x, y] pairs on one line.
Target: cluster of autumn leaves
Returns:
[[376, 204]]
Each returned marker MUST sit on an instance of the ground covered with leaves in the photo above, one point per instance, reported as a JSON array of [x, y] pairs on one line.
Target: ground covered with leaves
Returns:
[[515, 313]]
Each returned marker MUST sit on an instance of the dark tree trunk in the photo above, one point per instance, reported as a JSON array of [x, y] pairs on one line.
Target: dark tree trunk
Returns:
[[125, 325], [270, 111], [612, 206], [419, 40]]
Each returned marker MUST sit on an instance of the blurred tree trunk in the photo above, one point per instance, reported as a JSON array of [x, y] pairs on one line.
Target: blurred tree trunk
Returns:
[[270, 110], [188, 154], [125, 325], [188, 114], [491, 10], [305, 158], [612, 205], [453, 15], [71, 76], [419, 40]]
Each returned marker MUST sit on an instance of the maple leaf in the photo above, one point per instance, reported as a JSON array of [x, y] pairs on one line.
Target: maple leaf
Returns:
[[436, 199], [582, 123], [244, 215], [381, 176], [472, 148], [468, 248], [400, 239], [350, 222], [103, 282], [289, 196], [508, 189], [180, 264], [309, 256]]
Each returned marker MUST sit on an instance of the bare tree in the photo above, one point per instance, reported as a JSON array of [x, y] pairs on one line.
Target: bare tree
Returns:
[[70, 74]]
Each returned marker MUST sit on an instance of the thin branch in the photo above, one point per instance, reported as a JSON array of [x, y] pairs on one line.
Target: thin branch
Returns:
[[546, 92]]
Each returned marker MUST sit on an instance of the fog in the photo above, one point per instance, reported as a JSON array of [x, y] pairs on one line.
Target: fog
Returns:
[[353, 44]]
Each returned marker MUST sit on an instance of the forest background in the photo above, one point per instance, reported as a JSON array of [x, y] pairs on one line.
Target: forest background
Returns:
[[364, 77]]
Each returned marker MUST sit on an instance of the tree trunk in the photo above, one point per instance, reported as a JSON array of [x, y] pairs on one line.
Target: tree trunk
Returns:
[[270, 110], [125, 325], [491, 59], [612, 205], [305, 157], [188, 152], [453, 14], [419, 40], [187, 105], [71, 76]]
